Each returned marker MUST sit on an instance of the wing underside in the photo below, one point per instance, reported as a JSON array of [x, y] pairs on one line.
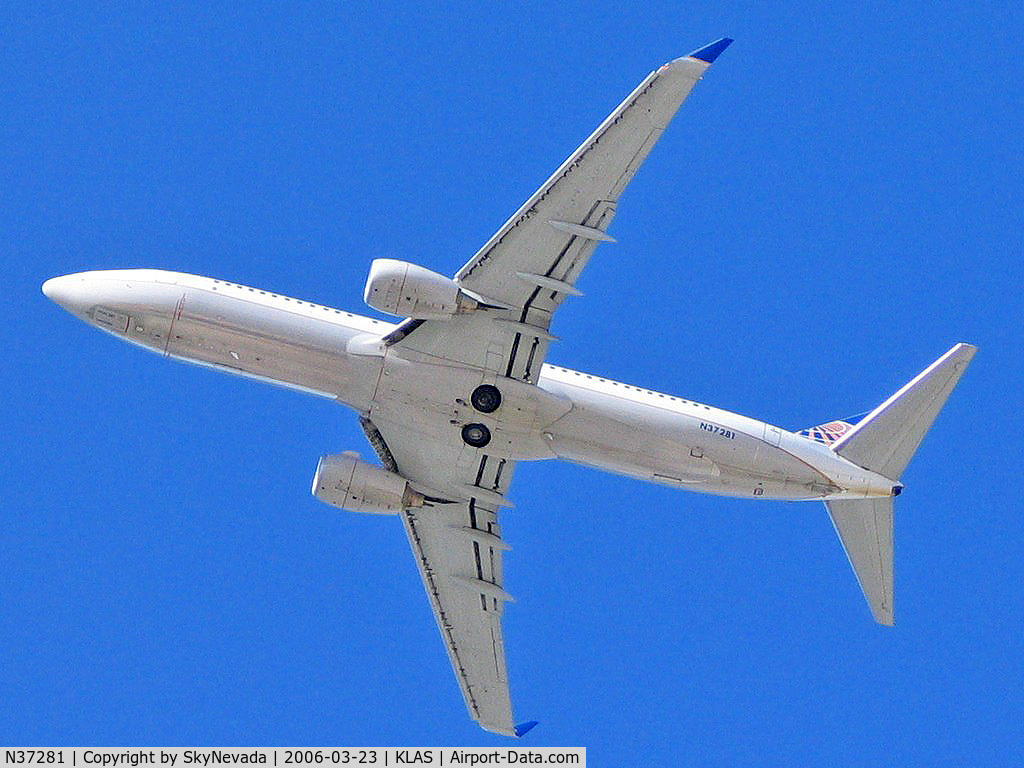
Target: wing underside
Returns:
[[457, 545], [535, 259], [461, 570]]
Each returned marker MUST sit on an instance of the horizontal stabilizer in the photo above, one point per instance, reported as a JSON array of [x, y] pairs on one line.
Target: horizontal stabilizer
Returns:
[[886, 439], [865, 530]]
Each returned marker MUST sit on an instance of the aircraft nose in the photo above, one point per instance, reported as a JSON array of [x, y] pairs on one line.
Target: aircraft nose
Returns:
[[66, 291], [50, 287]]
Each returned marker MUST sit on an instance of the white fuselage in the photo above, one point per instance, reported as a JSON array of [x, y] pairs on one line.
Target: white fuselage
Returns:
[[582, 418]]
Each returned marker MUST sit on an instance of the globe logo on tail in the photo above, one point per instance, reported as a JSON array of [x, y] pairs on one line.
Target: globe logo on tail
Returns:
[[828, 433]]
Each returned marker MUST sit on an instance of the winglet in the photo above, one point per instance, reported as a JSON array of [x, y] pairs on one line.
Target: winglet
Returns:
[[711, 51], [524, 728]]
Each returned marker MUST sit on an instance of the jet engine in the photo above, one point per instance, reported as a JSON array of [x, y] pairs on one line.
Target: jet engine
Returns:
[[344, 481], [407, 290]]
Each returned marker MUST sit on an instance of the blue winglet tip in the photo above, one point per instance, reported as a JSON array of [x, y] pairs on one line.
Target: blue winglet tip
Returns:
[[524, 728], [711, 51]]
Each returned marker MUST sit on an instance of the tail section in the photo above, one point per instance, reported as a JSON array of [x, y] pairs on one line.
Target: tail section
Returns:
[[865, 530], [884, 441]]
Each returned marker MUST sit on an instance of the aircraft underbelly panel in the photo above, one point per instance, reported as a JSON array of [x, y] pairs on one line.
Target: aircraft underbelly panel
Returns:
[[709, 450], [435, 401], [272, 344]]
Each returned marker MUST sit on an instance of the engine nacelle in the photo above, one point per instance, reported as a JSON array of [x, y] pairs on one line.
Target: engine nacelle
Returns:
[[407, 290], [344, 481]]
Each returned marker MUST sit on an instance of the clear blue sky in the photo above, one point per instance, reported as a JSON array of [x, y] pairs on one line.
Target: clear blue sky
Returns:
[[837, 203]]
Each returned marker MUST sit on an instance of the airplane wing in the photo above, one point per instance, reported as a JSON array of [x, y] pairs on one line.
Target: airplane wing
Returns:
[[522, 273], [534, 261], [458, 550]]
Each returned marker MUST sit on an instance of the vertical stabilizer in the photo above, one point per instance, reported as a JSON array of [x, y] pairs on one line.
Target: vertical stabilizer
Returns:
[[886, 439], [865, 529]]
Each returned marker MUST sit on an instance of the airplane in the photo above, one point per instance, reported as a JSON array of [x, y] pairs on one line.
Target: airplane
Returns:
[[458, 392]]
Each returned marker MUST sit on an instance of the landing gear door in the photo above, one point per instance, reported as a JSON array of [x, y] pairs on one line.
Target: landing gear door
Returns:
[[772, 434]]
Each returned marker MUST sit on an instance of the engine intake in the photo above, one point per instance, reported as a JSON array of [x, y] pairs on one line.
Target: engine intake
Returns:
[[407, 290], [344, 481]]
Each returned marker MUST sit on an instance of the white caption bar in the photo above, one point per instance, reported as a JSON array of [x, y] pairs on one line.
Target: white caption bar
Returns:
[[291, 757]]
